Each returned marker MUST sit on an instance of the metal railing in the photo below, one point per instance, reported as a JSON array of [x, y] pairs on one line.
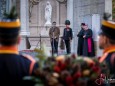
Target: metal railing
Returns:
[[38, 40]]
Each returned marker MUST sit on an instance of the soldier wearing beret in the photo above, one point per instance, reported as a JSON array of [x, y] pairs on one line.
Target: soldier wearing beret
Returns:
[[107, 42], [67, 36], [13, 67]]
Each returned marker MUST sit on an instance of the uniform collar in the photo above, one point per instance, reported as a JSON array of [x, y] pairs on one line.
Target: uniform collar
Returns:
[[9, 50], [106, 52], [109, 49]]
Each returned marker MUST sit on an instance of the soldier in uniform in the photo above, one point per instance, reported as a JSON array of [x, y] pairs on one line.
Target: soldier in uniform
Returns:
[[107, 43], [13, 67], [54, 33], [67, 36]]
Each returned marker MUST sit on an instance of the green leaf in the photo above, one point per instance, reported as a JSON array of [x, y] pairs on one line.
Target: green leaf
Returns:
[[12, 14], [39, 84], [28, 78]]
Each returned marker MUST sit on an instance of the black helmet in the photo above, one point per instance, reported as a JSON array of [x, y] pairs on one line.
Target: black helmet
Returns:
[[67, 22]]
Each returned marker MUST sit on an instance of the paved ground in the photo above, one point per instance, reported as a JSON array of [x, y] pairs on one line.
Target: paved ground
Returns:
[[33, 53]]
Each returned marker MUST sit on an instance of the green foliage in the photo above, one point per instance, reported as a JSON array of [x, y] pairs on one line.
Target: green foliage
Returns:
[[106, 16], [37, 80], [12, 14], [40, 54]]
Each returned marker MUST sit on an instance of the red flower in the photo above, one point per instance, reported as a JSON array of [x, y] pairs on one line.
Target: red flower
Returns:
[[63, 66], [68, 61], [57, 69], [69, 81], [72, 85], [91, 64], [77, 75], [73, 56], [59, 63], [96, 69]]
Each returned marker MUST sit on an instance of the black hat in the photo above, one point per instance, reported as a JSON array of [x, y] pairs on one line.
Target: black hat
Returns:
[[67, 22], [108, 27], [83, 24], [9, 25]]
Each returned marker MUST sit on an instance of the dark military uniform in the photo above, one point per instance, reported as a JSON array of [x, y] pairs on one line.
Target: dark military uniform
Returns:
[[109, 57], [67, 36], [108, 30], [13, 67]]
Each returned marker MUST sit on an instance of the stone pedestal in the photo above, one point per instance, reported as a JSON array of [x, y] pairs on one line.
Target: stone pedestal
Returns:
[[45, 31], [22, 45]]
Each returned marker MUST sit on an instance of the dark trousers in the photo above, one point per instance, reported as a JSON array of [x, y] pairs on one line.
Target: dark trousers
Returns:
[[54, 45], [68, 48]]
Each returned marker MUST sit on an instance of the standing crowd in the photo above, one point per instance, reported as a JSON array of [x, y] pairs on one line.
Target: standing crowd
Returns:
[[85, 40]]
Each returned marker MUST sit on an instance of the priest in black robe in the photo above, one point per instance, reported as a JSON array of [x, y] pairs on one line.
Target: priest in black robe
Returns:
[[88, 46], [80, 40]]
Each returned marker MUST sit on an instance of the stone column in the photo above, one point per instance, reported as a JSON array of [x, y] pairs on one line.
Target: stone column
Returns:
[[70, 11], [8, 5], [108, 6], [70, 17], [24, 17], [57, 20]]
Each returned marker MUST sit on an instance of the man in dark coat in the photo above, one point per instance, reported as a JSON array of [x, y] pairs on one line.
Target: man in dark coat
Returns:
[[67, 36], [80, 40], [54, 33], [107, 43], [88, 46]]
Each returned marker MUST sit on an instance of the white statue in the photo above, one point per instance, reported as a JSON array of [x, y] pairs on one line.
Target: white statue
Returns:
[[48, 13]]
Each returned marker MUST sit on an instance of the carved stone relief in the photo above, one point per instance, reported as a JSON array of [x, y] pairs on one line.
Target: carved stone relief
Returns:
[[62, 1], [31, 4], [2, 7], [37, 17]]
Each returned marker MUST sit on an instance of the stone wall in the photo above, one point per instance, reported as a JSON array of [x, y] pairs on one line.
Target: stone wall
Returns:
[[83, 8]]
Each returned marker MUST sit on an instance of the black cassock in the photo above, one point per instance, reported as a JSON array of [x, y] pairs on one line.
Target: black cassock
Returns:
[[88, 45], [80, 42]]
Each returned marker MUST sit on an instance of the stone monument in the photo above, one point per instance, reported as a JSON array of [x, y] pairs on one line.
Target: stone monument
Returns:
[[48, 13], [48, 16]]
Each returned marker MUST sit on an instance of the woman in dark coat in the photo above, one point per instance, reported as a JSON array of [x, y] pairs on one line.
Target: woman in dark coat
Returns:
[[88, 46], [80, 40]]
